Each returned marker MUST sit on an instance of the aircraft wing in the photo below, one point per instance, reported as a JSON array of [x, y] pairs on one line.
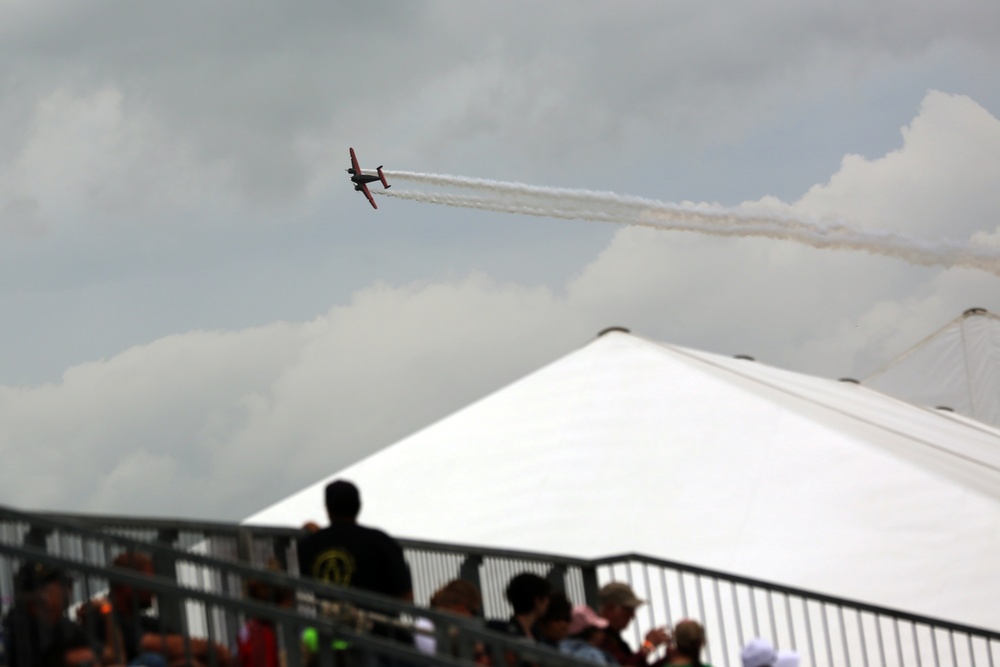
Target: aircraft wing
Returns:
[[371, 200], [354, 163]]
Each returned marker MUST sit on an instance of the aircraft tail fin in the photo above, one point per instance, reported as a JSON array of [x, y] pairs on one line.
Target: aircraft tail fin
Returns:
[[382, 178]]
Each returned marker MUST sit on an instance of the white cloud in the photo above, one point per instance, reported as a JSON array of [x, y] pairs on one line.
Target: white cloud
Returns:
[[91, 159], [226, 421], [940, 182]]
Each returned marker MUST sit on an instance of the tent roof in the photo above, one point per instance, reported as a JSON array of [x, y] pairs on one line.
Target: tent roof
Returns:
[[626, 445], [957, 367]]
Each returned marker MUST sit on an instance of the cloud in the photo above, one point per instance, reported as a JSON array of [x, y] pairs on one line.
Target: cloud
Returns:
[[938, 183], [90, 160], [270, 96], [222, 422]]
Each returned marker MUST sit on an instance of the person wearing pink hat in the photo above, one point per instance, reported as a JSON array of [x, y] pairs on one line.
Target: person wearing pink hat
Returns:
[[586, 634]]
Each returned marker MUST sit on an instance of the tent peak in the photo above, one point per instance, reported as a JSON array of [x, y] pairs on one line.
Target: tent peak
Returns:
[[608, 330]]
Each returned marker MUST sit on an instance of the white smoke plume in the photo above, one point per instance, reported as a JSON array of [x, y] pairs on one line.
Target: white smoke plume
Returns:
[[716, 220]]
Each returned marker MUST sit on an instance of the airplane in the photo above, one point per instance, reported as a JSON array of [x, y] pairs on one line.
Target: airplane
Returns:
[[361, 181]]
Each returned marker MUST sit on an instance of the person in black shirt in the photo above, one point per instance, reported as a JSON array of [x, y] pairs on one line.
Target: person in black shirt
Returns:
[[553, 626], [348, 554], [37, 620], [528, 594]]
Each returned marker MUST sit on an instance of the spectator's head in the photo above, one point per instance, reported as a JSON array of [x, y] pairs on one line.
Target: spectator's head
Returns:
[[587, 624], [787, 659], [459, 597], [759, 653], [618, 604], [311, 527], [71, 651], [553, 625], [343, 501], [42, 591], [689, 638], [266, 592], [528, 593], [123, 596]]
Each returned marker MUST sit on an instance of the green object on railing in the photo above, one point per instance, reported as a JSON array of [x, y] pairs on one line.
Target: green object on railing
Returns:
[[310, 640]]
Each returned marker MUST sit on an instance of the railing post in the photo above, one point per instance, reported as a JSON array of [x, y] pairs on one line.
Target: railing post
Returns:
[[165, 565], [37, 537], [590, 587], [469, 570], [244, 545], [556, 576], [280, 547]]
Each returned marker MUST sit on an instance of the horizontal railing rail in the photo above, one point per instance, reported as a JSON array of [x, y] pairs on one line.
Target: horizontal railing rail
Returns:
[[827, 630]]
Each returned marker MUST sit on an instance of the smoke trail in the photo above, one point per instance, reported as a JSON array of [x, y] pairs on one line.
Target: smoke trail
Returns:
[[574, 204]]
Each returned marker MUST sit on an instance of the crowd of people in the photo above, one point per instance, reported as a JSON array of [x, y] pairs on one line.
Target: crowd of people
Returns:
[[114, 630], [120, 628]]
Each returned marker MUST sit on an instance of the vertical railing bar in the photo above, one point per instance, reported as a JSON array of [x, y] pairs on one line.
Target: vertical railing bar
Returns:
[[843, 634], [916, 643], [753, 611], [951, 644], [809, 632], [972, 654], [826, 634], [701, 598], [878, 636], [899, 642], [788, 617], [736, 611], [666, 597], [722, 624], [770, 612], [934, 646], [648, 594], [684, 604], [861, 635]]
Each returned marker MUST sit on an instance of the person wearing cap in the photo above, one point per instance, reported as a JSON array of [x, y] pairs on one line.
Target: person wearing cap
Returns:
[[759, 653], [348, 554], [586, 635], [618, 604], [37, 620]]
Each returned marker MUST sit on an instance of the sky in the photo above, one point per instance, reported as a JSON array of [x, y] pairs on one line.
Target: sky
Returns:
[[200, 316]]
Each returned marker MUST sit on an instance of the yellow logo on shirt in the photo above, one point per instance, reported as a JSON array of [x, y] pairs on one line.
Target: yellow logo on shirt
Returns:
[[335, 566]]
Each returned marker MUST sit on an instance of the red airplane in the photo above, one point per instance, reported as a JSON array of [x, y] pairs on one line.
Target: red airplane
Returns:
[[361, 181]]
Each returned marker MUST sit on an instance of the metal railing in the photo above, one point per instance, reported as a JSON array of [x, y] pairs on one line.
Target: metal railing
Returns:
[[826, 630], [201, 596]]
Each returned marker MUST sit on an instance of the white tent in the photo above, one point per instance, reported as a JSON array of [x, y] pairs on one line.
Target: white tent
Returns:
[[956, 367], [626, 445]]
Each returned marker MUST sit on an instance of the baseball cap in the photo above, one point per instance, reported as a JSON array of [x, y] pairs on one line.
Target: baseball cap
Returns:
[[584, 617], [35, 576], [759, 653], [619, 593]]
